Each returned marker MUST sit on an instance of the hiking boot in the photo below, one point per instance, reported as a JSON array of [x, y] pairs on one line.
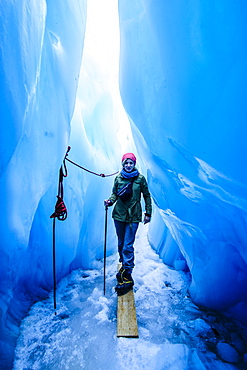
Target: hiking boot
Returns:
[[127, 278], [124, 277], [126, 283], [119, 275]]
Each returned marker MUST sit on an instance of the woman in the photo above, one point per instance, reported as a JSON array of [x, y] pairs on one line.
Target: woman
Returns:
[[127, 213]]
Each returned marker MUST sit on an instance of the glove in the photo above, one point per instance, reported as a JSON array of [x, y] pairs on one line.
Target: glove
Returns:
[[108, 203], [147, 219]]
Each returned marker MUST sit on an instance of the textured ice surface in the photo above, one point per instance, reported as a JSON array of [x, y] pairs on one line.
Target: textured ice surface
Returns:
[[173, 333]]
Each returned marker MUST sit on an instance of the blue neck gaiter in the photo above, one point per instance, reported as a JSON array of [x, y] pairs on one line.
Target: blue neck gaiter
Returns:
[[129, 175]]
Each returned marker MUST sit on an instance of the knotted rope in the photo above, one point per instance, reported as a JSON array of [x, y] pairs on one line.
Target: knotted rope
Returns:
[[61, 212]]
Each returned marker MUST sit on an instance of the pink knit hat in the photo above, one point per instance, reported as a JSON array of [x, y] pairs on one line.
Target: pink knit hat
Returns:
[[128, 156]]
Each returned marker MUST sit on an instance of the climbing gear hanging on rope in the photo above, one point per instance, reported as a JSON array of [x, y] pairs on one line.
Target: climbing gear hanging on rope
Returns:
[[106, 207], [61, 214], [60, 210]]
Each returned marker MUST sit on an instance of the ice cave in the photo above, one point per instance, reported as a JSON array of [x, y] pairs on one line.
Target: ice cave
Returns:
[[173, 92]]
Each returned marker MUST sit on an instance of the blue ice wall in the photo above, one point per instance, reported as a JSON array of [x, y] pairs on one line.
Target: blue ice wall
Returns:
[[183, 78], [40, 56]]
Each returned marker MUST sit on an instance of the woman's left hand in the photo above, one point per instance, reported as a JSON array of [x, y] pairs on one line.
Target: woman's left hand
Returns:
[[146, 219]]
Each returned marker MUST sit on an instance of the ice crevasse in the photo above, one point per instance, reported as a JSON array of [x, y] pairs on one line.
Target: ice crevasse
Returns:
[[182, 82]]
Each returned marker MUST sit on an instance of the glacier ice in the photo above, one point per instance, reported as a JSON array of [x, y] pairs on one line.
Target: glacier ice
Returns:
[[182, 83], [183, 87], [40, 57]]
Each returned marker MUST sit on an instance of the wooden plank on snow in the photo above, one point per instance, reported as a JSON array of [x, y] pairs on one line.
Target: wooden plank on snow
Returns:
[[126, 316]]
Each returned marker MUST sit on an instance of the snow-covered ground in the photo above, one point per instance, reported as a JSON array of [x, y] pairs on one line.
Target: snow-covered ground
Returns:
[[173, 333]]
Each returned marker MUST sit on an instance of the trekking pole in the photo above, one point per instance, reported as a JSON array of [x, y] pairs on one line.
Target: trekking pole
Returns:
[[54, 267], [106, 208]]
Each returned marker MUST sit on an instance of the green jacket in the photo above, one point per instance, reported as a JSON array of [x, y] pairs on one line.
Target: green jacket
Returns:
[[131, 210]]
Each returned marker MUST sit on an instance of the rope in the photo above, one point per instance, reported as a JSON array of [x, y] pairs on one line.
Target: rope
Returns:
[[61, 214], [60, 208], [85, 169]]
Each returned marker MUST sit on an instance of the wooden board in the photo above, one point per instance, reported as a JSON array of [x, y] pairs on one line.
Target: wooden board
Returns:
[[126, 316]]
